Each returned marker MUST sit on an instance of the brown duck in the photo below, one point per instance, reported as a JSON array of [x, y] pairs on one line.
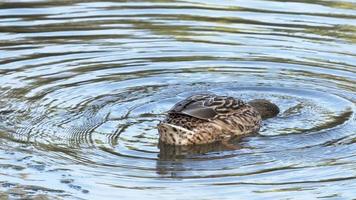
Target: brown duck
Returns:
[[207, 118]]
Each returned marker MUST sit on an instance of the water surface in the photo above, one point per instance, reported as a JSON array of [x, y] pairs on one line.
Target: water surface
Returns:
[[83, 85]]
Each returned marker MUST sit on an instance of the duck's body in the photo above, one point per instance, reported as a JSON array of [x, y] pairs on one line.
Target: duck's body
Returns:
[[207, 118]]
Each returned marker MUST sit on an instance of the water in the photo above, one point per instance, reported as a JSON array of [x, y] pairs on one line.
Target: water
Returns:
[[84, 83]]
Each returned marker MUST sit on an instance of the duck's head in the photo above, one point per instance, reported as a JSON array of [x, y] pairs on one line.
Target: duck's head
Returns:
[[266, 108]]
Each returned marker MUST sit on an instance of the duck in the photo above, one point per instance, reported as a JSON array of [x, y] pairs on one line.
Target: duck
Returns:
[[208, 118]]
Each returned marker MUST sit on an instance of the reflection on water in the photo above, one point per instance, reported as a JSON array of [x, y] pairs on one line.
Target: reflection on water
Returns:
[[83, 85]]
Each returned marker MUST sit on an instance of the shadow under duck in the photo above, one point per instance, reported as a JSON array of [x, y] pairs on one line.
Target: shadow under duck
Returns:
[[208, 118]]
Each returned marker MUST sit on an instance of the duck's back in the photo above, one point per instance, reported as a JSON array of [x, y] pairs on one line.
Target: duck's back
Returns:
[[207, 118], [207, 106]]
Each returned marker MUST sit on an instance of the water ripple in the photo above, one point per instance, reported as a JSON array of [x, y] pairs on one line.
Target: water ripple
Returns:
[[84, 83]]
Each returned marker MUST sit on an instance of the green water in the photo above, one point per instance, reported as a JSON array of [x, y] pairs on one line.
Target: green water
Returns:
[[83, 85]]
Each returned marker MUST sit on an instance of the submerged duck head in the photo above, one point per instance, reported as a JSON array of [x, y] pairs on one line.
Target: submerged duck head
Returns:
[[266, 108], [208, 118]]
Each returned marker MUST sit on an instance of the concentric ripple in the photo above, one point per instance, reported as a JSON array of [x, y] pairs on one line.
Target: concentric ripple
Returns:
[[83, 85]]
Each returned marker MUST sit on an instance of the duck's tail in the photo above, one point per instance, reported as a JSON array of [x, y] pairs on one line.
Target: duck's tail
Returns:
[[266, 108]]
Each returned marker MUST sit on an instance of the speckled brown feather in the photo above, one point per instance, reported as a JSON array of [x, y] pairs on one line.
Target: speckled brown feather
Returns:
[[207, 106], [202, 119]]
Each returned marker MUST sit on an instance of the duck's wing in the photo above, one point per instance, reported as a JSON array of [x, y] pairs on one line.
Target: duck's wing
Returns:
[[207, 106]]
